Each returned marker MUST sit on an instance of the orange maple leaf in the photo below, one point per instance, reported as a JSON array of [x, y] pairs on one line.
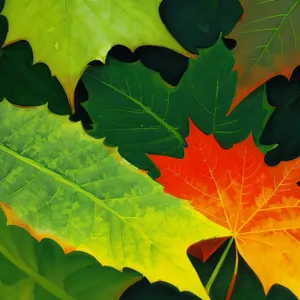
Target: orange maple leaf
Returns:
[[236, 189], [267, 43]]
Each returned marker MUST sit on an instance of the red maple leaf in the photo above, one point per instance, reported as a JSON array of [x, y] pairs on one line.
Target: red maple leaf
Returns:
[[236, 189]]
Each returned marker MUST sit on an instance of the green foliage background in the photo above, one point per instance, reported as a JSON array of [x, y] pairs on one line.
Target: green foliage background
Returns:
[[195, 24]]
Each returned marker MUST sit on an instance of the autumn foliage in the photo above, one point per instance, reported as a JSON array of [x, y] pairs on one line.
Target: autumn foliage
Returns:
[[152, 128], [236, 189]]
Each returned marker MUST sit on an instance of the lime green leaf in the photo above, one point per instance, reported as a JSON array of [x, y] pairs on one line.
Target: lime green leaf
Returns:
[[32, 270], [62, 182], [66, 35], [135, 110]]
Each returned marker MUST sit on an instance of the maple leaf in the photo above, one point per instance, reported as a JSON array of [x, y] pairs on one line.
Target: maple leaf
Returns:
[[267, 43], [234, 188], [66, 35], [68, 186]]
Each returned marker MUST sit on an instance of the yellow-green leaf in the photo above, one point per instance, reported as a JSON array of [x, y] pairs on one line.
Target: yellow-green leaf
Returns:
[[68, 185]]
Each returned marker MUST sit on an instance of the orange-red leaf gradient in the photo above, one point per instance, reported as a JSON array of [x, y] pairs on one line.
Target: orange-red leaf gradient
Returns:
[[267, 45], [236, 189]]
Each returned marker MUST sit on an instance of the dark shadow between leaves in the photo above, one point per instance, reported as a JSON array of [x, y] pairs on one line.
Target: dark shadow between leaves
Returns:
[[282, 128], [143, 289], [198, 24], [25, 84]]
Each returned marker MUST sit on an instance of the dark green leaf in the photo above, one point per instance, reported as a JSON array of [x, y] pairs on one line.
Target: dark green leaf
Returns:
[[197, 24], [136, 111], [208, 87]]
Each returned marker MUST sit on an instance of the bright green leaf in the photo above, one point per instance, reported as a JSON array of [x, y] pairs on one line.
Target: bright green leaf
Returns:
[[62, 182], [66, 35]]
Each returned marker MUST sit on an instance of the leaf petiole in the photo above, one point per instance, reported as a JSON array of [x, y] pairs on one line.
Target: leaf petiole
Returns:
[[218, 267]]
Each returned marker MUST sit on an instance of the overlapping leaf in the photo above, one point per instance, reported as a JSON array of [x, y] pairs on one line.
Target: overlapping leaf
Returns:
[[63, 183], [267, 43], [136, 111], [30, 270], [66, 35], [260, 205]]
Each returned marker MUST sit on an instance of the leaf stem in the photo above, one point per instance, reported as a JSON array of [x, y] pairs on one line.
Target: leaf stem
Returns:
[[232, 283], [218, 267]]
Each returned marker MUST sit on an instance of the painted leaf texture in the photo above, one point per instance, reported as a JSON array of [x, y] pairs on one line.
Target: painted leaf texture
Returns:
[[69, 186], [134, 109], [67, 35], [234, 188], [267, 43], [32, 270]]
